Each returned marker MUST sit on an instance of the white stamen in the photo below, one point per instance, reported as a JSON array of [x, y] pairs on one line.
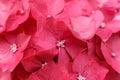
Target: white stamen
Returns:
[[103, 25], [113, 54], [48, 16], [80, 77], [61, 43], [13, 47], [44, 64], [22, 11], [104, 40]]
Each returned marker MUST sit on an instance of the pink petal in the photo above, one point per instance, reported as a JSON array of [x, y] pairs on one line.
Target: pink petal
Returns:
[[89, 67], [114, 26], [111, 51], [38, 8], [104, 34], [5, 75], [63, 57], [74, 46], [55, 6], [76, 8], [44, 40]]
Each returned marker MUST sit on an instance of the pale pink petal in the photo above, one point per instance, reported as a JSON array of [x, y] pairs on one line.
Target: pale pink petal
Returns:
[[55, 6], [85, 27]]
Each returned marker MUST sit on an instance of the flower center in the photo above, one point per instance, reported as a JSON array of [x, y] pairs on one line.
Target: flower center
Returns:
[[44, 64], [61, 43], [80, 77], [22, 11], [13, 47], [48, 16], [113, 54], [103, 25]]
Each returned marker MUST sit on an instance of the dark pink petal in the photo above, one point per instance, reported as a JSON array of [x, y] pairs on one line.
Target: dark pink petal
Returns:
[[109, 13], [29, 26], [30, 62], [111, 75], [19, 73], [98, 48], [47, 55], [51, 71], [91, 46], [74, 46]]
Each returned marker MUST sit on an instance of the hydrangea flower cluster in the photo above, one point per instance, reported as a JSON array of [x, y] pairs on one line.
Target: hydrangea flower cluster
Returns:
[[59, 39]]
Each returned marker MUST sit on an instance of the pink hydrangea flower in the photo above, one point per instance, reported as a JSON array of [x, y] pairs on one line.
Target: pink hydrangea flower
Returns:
[[13, 13], [11, 51], [89, 67], [59, 39]]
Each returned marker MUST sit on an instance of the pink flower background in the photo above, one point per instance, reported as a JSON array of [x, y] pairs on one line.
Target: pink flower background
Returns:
[[59, 39]]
